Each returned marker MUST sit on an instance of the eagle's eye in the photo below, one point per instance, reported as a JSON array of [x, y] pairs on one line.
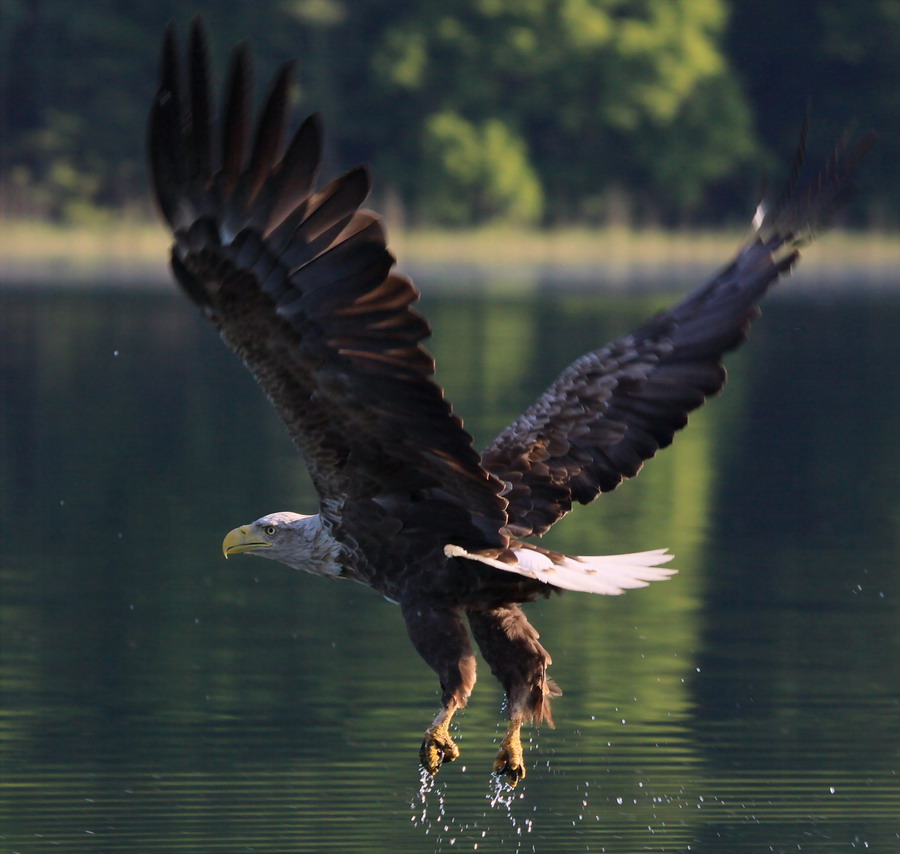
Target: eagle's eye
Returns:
[[270, 530]]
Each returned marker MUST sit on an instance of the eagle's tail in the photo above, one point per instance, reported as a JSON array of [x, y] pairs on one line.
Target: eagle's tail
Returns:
[[608, 575]]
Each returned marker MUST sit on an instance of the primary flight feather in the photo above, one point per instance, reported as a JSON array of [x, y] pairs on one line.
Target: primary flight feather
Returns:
[[301, 286]]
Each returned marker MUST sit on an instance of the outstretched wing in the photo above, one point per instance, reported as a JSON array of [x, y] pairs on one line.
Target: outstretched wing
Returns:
[[300, 284], [617, 406]]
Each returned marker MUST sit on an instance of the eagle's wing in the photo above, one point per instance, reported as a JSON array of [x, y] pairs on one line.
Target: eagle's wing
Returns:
[[301, 286], [617, 406]]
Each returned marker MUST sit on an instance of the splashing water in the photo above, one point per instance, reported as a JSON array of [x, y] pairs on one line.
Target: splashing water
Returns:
[[429, 806], [430, 793], [432, 814]]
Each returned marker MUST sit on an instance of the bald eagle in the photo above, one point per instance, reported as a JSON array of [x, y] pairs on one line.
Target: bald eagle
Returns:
[[301, 286]]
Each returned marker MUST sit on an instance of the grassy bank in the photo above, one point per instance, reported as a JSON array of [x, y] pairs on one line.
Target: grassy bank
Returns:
[[130, 252]]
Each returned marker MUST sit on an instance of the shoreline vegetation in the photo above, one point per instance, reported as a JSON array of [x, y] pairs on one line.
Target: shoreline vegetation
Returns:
[[134, 253]]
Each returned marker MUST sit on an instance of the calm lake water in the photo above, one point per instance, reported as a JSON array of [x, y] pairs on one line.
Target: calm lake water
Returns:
[[157, 698]]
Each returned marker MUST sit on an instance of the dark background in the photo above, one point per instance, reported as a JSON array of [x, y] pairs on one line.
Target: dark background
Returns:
[[637, 112], [155, 697]]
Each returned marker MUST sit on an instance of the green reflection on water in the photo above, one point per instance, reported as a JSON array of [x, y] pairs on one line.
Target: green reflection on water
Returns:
[[156, 697]]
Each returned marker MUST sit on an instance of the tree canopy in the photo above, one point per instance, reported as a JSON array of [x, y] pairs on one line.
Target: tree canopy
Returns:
[[528, 111]]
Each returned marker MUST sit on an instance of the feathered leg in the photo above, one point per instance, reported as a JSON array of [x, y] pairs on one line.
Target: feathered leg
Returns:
[[509, 644], [439, 635]]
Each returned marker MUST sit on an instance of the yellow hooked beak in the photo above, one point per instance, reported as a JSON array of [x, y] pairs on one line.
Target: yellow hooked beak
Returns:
[[243, 539]]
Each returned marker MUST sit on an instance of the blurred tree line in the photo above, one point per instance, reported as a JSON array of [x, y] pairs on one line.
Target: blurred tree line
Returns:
[[528, 111]]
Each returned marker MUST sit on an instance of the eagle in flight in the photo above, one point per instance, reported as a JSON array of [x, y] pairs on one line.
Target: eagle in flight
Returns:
[[301, 286]]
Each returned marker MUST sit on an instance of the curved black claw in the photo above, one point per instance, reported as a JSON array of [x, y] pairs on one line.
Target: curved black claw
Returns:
[[510, 762], [437, 748]]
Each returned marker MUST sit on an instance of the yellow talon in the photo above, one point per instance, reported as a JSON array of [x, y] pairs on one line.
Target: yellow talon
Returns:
[[437, 748], [510, 761]]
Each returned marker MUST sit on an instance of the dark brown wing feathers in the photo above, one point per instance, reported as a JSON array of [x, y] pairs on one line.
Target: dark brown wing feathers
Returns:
[[616, 407], [301, 286]]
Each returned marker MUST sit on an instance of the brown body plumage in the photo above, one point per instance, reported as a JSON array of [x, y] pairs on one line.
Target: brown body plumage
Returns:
[[301, 286]]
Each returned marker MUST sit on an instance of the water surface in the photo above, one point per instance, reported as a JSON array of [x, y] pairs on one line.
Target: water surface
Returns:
[[158, 698]]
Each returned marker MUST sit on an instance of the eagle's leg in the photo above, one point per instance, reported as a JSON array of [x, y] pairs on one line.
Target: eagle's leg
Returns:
[[438, 747], [509, 644], [440, 637], [510, 761]]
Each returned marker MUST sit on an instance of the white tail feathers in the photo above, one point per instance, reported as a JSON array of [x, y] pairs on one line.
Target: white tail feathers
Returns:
[[608, 575]]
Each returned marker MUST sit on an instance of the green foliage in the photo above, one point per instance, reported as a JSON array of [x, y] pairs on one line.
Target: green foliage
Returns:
[[472, 110], [841, 60], [715, 122], [582, 82], [476, 173]]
